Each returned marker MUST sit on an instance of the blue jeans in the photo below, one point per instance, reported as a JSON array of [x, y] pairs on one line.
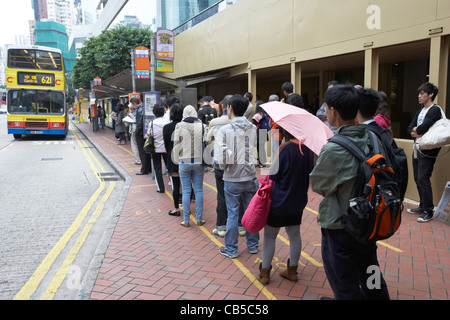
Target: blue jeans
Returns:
[[192, 172], [237, 193]]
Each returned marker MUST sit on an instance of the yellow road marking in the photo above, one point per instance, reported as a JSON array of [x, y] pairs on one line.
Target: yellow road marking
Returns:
[[68, 261], [119, 146], [32, 284]]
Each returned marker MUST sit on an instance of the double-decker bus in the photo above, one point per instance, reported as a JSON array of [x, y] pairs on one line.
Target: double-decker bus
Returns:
[[36, 91]]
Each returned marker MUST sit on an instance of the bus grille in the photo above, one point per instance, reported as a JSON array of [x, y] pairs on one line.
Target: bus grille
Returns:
[[31, 124]]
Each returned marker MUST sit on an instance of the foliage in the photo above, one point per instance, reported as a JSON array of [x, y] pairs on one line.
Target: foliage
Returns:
[[108, 54]]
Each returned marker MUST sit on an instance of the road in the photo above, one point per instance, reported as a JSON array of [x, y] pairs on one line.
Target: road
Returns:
[[59, 197]]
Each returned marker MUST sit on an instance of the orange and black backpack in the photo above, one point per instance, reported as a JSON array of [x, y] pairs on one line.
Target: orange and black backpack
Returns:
[[374, 212]]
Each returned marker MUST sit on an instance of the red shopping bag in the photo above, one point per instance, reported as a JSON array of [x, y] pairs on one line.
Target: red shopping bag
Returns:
[[255, 217]]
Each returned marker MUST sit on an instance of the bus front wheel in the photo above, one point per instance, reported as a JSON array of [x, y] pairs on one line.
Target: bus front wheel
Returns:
[[17, 136]]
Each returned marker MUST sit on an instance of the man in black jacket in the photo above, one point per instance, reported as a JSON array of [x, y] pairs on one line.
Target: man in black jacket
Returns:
[[423, 160], [206, 113], [146, 159]]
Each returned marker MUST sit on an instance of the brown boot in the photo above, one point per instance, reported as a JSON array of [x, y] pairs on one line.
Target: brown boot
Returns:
[[264, 275], [290, 273]]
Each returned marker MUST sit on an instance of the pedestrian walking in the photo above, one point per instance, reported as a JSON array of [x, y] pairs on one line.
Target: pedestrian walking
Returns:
[[101, 117], [188, 153], [233, 153], [156, 130], [346, 260], [176, 115], [289, 198], [423, 160]]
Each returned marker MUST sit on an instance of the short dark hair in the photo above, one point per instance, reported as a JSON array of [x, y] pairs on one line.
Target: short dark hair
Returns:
[[428, 88], [171, 100], [135, 100], [296, 100], [370, 100], [249, 96], [176, 112], [158, 110], [345, 99], [288, 87], [239, 104]]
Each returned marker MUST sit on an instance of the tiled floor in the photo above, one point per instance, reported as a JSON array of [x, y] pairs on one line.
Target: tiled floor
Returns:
[[152, 257]]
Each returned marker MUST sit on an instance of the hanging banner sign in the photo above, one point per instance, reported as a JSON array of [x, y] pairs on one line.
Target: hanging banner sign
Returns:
[[142, 63], [165, 44]]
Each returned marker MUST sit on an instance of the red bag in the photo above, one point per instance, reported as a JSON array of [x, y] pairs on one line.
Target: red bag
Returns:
[[255, 217]]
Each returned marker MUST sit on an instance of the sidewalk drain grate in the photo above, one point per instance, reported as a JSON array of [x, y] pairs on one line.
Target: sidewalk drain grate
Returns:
[[108, 176]]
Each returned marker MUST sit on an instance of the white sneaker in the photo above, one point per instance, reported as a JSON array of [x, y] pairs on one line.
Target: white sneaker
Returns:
[[220, 233]]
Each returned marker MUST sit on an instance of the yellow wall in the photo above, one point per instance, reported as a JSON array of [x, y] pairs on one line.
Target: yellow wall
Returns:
[[265, 33]]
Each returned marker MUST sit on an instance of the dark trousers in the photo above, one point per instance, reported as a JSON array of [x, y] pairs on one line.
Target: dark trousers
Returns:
[[146, 159], [352, 268], [423, 168], [157, 165], [176, 191]]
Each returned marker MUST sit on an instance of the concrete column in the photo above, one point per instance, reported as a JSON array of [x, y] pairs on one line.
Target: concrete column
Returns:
[[296, 77], [439, 53], [252, 81], [371, 68]]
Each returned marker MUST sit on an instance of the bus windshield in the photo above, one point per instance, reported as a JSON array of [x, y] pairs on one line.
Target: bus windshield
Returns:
[[35, 102], [34, 59]]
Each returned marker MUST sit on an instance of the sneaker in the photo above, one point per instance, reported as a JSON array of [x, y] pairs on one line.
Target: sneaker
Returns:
[[415, 211], [242, 233], [220, 233], [222, 252], [253, 250], [425, 217]]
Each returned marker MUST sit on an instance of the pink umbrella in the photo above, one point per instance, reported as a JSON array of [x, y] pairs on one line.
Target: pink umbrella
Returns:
[[304, 126]]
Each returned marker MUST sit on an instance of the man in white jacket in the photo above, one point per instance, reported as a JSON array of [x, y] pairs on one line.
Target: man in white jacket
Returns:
[[233, 154]]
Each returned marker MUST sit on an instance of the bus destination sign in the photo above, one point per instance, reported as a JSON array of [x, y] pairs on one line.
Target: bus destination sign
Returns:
[[36, 79]]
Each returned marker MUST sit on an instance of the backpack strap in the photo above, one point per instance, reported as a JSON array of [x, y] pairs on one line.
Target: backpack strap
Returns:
[[349, 145]]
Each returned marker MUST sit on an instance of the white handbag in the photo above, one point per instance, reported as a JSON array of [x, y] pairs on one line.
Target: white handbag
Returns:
[[437, 136]]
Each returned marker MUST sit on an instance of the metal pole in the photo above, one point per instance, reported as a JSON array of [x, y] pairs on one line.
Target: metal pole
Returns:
[[133, 69], [152, 61]]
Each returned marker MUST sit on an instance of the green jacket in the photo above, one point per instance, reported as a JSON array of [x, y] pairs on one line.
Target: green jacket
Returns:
[[334, 177]]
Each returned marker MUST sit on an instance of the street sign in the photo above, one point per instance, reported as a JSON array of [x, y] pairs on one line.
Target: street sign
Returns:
[[164, 66], [142, 63]]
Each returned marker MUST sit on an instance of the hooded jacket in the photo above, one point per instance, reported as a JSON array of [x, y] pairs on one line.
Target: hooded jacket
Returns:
[[188, 138], [233, 150]]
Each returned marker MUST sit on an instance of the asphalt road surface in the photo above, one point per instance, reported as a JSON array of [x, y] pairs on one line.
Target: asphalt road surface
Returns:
[[59, 200]]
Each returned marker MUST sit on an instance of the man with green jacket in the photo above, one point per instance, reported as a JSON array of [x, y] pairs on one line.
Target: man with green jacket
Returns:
[[351, 267]]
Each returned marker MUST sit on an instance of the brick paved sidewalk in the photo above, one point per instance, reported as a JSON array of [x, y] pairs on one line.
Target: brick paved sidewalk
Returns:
[[151, 257]]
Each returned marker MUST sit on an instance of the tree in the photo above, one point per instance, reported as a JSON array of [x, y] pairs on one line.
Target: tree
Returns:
[[108, 54]]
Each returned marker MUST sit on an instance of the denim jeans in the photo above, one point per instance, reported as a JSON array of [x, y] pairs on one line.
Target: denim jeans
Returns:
[[192, 172], [237, 193]]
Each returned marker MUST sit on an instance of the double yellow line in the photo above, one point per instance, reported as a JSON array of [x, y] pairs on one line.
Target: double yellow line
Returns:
[[33, 283]]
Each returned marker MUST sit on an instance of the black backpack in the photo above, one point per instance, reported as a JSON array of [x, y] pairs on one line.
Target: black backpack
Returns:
[[396, 157], [374, 212]]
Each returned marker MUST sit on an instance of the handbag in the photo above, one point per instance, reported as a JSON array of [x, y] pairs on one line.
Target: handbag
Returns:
[[255, 216], [437, 136], [149, 145]]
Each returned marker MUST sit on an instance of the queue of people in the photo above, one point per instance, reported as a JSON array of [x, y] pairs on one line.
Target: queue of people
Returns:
[[223, 136]]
